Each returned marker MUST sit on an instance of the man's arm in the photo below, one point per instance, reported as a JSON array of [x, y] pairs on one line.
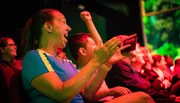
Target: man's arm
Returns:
[[93, 90], [86, 17], [94, 84]]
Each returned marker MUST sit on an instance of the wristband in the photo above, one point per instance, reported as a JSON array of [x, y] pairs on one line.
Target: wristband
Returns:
[[106, 68]]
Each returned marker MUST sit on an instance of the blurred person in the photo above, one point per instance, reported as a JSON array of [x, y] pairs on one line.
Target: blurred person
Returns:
[[61, 53], [137, 60], [147, 68], [147, 56], [124, 74], [10, 72], [176, 83], [159, 66], [177, 67], [169, 62]]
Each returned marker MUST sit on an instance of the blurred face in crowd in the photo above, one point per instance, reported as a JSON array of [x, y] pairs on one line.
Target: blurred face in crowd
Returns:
[[9, 49], [137, 57], [61, 53], [147, 55], [162, 63]]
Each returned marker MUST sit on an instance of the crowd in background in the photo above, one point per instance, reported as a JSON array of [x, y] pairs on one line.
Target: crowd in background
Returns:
[[45, 74]]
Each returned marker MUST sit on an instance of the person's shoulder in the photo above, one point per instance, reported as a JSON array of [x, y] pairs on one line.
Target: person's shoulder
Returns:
[[32, 51], [121, 66], [31, 54]]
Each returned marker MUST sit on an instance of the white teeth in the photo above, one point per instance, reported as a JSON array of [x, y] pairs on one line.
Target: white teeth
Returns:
[[65, 35]]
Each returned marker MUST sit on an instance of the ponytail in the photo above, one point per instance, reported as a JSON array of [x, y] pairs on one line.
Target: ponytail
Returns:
[[27, 38], [32, 32]]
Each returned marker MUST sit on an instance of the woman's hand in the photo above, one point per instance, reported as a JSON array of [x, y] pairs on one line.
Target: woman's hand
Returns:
[[104, 52], [117, 56]]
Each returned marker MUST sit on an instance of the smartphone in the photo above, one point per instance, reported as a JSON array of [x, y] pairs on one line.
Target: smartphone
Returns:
[[132, 40]]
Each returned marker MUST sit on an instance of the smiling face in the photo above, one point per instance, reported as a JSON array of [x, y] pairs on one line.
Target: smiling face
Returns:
[[9, 49], [60, 29], [147, 55], [137, 57]]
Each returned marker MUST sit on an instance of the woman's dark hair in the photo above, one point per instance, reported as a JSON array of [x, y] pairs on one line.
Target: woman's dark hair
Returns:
[[33, 30], [3, 41]]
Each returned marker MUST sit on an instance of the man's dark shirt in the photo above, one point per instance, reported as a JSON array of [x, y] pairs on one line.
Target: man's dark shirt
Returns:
[[122, 74]]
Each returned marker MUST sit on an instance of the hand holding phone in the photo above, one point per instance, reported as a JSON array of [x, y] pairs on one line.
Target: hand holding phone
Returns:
[[131, 39]]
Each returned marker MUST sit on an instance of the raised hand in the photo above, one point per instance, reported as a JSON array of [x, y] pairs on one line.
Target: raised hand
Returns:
[[85, 16]]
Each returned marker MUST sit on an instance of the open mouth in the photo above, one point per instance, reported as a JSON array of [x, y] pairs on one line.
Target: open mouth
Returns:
[[66, 35]]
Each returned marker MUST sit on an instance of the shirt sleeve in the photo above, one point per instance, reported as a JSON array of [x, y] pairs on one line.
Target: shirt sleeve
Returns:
[[35, 64]]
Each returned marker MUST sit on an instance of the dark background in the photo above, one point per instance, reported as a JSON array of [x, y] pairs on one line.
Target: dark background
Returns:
[[111, 17]]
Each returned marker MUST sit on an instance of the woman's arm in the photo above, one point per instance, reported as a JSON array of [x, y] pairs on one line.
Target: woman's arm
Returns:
[[50, 84]]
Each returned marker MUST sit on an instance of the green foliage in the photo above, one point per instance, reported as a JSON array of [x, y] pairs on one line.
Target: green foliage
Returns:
[[168, 49], [155, 5], [162, 30], [149, 4]]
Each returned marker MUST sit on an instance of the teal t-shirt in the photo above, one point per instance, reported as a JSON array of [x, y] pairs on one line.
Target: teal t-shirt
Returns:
[[38, 62]]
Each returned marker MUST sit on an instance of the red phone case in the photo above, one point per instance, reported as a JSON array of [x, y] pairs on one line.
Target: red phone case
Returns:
[[132, 40]]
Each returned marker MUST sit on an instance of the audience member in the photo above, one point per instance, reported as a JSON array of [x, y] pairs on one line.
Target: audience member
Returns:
[[160, 67], [177, 67], [147, 69], [61, 53], [10, 72], [123, 74]]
